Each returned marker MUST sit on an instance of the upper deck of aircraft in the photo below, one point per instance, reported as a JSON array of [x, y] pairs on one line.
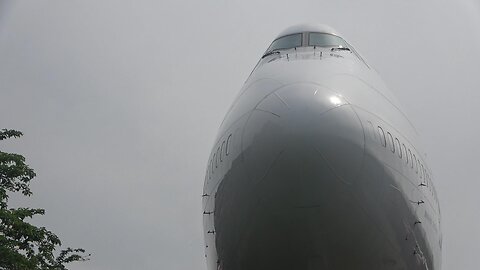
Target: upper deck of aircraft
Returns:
[[308, 38]]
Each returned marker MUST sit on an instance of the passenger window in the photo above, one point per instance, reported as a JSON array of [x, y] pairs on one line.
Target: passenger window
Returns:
[[227, 148], [382, 136], [221, 151], [397, 146], [211, 164], [404, 150], [415, 162], [390, 141], [422, 173], [410, 156], [215, 159]]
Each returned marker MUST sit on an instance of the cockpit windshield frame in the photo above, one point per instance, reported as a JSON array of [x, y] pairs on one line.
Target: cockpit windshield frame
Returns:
[[340, 40], [270, 49], [303, 41]]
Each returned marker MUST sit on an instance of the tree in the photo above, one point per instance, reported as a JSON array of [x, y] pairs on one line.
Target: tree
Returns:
[[23, 245]]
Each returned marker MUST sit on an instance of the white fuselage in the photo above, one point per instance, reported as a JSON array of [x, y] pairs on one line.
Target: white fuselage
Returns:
[[316, 167]]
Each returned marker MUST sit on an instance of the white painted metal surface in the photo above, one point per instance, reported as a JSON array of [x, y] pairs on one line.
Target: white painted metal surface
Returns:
[[316, 167]]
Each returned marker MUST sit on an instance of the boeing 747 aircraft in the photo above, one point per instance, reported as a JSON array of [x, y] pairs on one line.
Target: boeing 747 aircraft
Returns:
[[316, 167]]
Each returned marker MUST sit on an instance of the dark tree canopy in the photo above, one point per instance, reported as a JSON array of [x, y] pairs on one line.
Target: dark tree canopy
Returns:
[[23, 245]]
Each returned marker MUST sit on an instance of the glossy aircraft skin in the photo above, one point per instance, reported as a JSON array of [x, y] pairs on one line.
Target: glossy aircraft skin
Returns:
[[315, 166]]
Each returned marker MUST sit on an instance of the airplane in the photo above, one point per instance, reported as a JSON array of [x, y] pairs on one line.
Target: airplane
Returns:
[[316, 166]]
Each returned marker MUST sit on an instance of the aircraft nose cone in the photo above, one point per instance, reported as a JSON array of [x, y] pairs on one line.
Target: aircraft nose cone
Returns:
[[288, 202], [309, 124]]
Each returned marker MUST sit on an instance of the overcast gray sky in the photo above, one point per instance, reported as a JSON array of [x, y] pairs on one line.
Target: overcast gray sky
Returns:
[[120, 102]]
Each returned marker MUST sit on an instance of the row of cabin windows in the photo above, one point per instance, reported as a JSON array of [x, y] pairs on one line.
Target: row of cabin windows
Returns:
[[223, 150], [394, 145]]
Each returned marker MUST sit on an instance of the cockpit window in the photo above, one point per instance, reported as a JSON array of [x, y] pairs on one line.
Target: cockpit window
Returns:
[[286, 42], [325, 40]]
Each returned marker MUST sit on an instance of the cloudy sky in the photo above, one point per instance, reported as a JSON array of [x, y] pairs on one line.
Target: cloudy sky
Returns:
[[120, 102]]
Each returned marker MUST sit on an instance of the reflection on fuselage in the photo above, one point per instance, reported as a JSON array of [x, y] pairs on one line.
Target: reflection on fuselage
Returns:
[[316, 167]]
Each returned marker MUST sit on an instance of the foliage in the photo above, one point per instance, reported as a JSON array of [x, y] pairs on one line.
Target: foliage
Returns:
[[23, 245]]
